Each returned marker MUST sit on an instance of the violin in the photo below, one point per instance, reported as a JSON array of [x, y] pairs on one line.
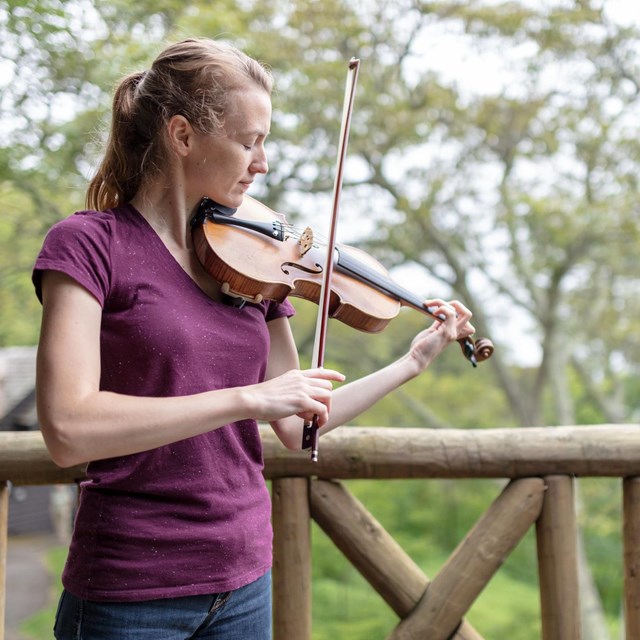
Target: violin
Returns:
[[256, 255]]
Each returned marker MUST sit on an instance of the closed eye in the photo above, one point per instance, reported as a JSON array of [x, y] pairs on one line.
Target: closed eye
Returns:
[[249, 144]]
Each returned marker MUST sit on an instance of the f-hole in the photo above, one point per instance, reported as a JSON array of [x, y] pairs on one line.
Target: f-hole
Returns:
[[299, 267]]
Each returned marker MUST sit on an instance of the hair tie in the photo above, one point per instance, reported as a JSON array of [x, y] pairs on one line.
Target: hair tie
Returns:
[[143, 75]]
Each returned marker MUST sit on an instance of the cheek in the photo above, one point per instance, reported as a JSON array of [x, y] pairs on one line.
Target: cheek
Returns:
[[226, 165], [209, 167]]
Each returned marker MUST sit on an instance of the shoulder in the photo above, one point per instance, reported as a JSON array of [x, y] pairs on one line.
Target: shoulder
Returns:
[[80, 246], [94, 230], [84, 231], [87, 235], [84, 223]]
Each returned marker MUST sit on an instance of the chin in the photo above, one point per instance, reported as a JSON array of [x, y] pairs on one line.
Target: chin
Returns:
[[231, 201], [236, 201]]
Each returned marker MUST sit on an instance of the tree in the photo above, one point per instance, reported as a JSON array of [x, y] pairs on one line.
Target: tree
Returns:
[[520, 194], [521, 198]]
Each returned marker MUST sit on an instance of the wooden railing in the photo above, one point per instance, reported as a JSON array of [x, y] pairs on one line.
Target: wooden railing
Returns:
[[539, 463]]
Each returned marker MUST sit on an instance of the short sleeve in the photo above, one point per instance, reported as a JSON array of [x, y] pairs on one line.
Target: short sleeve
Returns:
[[279, 310], [79, 247]]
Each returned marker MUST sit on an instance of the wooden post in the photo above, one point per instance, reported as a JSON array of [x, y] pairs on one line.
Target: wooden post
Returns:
[[371, 550], [4, 533], [557, 561], [291, 559], [631, 552], [474, 562]]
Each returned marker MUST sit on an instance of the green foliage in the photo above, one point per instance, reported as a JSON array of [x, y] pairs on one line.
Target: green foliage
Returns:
[[600, 521], [428, 519], [16, 260]]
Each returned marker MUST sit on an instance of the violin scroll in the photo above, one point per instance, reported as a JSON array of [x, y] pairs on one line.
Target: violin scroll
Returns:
[[476, 350], [484, 349]]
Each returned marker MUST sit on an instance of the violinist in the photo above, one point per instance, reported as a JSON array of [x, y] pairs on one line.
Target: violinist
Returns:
[[151, 375]]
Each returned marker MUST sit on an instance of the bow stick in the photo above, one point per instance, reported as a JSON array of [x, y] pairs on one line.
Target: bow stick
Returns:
[[310, 429]]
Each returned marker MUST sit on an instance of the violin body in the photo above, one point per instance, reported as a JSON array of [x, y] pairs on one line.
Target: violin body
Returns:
[[252, 266], [256, 255]]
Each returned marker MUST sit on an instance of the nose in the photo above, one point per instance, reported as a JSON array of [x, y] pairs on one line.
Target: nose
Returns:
[[259, 163]]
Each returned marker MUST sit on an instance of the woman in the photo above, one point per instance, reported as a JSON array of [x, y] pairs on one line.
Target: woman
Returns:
[[146, 372]]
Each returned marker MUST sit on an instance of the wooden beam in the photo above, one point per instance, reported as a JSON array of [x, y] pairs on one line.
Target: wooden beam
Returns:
[[380, 452], [474, 562], [557, 543], [371, 550], [24, 460], [631, 553], [291, 559]]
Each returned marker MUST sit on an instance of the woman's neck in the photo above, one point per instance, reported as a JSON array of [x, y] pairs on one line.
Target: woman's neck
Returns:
[[168, 212]]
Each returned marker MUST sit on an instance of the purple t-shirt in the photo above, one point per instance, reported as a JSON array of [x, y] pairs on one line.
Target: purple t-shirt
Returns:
[[188, 518]]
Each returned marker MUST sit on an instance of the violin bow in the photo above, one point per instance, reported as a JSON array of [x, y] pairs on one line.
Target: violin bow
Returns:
[[310, 434]]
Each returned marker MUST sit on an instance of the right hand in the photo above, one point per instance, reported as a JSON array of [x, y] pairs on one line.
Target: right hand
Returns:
[[302, 392]]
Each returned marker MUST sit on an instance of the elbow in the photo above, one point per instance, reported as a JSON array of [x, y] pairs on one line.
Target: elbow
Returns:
[[292, 445], [291, 442], [63, 460], [290, 436], [60, 444]]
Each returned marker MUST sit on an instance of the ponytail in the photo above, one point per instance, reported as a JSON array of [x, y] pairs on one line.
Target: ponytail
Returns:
[[129, 147]]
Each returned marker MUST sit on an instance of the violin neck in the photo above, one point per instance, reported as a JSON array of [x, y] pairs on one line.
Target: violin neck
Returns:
[[355, 268]]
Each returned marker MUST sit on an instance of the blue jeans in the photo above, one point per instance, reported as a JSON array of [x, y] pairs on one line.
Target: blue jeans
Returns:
[[243, 614]]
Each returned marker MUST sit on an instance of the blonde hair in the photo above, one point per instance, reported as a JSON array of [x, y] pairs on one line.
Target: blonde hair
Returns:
[[192, 78]]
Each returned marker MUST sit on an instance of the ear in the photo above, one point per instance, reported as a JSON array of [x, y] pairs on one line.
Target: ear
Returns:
[[180, 134]]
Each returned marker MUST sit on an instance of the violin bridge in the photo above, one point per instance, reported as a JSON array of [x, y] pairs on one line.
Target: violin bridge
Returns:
[[306, 241]]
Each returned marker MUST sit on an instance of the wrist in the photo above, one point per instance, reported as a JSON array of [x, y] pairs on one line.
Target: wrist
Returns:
[[412, 365], [422, 359], [245, 402]]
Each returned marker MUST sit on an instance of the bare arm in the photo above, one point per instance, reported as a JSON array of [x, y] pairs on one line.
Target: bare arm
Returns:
[[350, 400], [80, 422]]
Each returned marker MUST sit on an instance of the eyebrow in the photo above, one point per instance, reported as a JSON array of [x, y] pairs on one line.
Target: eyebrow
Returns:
[[255, 132], [259, 133]]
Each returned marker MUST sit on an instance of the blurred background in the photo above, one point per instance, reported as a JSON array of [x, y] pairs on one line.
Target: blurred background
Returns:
[[494, 157]]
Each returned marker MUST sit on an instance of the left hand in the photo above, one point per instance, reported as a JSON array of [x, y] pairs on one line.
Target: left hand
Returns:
[[428, 344]]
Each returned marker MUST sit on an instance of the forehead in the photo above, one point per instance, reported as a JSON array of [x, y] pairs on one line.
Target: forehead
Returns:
[[249, 109]]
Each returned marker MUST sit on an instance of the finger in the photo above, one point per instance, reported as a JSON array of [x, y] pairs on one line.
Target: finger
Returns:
[[465, 328], [432, 305], [440, 309], [446, 312], [462, 310], [468, 330], [319, 409], [321, 373]]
